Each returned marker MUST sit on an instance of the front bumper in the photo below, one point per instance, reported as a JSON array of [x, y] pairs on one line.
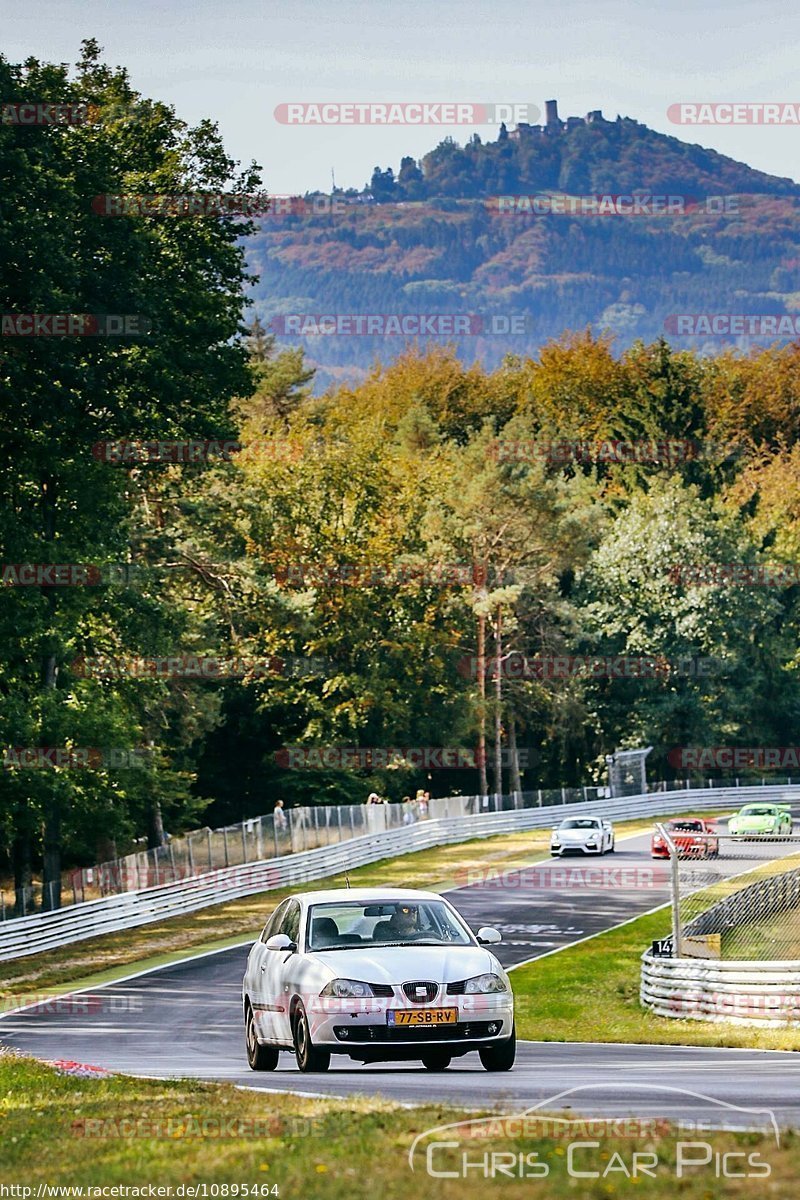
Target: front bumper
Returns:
[[348, 1026], [575, 848]]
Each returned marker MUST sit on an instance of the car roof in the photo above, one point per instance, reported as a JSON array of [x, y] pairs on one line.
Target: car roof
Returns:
[[373, 895]]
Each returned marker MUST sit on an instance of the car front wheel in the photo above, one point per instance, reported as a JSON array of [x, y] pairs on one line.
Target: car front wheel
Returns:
[[260, 1058], [500, 1057], [309, 1057]]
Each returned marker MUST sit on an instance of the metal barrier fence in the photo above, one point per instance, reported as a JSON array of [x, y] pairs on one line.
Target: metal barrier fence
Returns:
[[734, 896], [39, 932], [734, 951], [297, 829], [292, 832]]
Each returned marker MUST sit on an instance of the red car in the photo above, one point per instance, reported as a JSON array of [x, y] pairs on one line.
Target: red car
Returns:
[[690, 835]]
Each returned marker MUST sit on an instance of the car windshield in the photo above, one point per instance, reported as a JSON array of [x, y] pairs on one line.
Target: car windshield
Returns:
[[579, 823], [757, 810], [345, 926], [685, 826]]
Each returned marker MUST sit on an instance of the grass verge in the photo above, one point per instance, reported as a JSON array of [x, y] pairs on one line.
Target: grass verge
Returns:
[[120, 1132]]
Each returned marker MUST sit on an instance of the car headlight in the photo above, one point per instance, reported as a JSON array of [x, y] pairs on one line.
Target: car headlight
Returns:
[[347, 989], [555, 839], [482, 984]]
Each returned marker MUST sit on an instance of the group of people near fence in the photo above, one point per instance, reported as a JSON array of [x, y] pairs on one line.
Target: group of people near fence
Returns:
[[413, 810]]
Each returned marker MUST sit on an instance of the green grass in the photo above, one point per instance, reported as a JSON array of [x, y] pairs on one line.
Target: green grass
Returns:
[[590, 993], [57, 1129], [778, 938]]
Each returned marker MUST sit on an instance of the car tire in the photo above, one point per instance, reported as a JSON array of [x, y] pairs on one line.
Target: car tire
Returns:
[[309, 1057], [612, 847], [260, 1058], [436, 1060], [501, 1056]]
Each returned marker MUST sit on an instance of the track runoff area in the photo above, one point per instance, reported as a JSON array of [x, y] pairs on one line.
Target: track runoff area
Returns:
[[185, 1019]]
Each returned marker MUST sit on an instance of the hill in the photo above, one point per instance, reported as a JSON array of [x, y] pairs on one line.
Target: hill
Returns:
[[576, 223]]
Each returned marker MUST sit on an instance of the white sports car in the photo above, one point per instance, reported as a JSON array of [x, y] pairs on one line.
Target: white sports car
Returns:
[[379, 974], [591, 835]]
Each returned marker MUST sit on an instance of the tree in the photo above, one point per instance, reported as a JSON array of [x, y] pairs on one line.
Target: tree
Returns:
[[637, 600], [63, 395]]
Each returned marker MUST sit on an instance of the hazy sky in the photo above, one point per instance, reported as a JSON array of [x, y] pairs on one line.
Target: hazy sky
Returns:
[[235, 61]]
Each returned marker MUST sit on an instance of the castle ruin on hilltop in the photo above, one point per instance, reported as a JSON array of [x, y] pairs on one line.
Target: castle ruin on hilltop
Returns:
[[553, 124]]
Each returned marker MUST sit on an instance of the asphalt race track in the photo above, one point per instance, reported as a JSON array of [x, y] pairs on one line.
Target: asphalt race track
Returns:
[[185, 1019]]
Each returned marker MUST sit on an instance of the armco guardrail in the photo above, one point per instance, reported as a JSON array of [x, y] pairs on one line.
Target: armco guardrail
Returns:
[[45, 931], [747, 993]]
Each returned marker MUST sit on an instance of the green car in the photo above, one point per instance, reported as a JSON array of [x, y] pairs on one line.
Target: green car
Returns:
[[755, 819]]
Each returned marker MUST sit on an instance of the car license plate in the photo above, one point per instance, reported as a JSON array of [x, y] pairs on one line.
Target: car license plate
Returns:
[[422, 1016]]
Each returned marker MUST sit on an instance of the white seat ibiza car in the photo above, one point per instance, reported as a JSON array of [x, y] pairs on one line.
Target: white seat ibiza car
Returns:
[[378, 974]]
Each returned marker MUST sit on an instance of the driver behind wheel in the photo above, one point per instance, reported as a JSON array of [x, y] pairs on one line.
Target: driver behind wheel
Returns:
[[403, 923]]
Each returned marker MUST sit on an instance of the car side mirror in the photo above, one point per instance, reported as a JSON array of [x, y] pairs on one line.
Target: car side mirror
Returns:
[[487, 936], [280, 941]]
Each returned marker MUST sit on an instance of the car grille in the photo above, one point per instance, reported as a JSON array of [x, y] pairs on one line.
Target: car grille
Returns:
[[463, 1032], [383, 989], [457, 989], [421, 991]]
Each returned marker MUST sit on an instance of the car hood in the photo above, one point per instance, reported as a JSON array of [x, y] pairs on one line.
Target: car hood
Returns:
[[397, 964], [754, 822], [577, 835]]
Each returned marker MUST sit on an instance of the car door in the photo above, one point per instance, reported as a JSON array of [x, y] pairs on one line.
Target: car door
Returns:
[[280, 969], [261, 970]]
